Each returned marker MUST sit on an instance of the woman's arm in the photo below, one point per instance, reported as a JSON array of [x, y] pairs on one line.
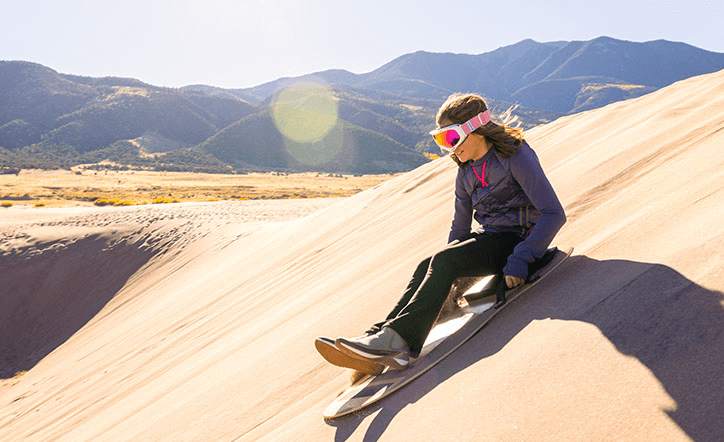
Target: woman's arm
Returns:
[[463, 217], [526, 169]]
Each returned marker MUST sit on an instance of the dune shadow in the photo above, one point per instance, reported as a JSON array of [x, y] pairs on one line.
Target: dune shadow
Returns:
[[48, 295], [672, 325]]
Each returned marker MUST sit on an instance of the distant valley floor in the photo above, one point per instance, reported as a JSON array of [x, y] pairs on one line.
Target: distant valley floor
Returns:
[[60, 188]]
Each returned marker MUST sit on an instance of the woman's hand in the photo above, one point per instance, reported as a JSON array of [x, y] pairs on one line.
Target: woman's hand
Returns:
[[512, 281]]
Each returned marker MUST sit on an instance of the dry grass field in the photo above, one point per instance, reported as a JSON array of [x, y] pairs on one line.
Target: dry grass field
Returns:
[[56, 188]]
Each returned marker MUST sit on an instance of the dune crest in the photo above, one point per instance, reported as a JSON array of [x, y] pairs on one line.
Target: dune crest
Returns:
[[213, 338]]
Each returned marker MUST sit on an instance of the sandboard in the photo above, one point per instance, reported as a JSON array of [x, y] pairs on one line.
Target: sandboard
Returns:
[[447, 335]]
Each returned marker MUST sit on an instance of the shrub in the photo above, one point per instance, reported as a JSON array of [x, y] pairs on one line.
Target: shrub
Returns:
[[104, 202], [162, 200], [117, 202], [39, 205], [6, 204]]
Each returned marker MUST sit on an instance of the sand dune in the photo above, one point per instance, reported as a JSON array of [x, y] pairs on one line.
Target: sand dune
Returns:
[[186, 323]]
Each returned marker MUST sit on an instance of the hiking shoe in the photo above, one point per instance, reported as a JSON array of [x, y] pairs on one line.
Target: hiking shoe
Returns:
[[329, 351], [385, 347]]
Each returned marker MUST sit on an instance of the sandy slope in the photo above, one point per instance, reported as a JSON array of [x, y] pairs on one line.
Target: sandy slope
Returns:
[[189, 326]]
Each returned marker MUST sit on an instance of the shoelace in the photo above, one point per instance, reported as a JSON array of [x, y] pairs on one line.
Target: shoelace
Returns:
[[482, 175]]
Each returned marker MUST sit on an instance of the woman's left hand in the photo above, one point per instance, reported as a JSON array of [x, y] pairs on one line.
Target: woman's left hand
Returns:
[[512, 281]]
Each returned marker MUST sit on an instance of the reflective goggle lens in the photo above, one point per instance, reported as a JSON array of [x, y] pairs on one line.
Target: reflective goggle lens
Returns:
[[448, 139]]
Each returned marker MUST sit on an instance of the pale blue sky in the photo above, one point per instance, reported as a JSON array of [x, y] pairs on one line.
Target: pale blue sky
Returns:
[[236, 44]]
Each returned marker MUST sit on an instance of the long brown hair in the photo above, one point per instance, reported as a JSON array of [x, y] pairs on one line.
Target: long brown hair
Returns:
[[459, 108]]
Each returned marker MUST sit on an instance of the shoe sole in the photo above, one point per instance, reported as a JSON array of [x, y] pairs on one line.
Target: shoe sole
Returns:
[[329, 351], [393, 361]]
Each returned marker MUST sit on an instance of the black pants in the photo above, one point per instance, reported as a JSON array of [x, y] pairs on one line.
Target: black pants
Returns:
[[475, 255]]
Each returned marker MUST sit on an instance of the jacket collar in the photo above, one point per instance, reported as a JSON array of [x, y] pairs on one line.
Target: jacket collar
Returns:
[[487, 157]]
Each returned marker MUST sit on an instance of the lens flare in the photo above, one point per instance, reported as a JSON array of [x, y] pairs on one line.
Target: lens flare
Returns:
[[306, 114]]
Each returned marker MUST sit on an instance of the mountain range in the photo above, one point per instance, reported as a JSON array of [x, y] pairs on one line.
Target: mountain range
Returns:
[[49, 119]]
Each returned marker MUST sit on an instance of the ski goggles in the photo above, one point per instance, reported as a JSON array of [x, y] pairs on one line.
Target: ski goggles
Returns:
[[450, 137]]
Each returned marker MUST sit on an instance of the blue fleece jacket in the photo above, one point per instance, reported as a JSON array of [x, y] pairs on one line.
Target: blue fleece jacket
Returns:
[[508, 194]]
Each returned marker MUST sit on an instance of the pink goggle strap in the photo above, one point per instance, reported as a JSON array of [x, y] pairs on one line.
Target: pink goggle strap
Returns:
[[480, 119]]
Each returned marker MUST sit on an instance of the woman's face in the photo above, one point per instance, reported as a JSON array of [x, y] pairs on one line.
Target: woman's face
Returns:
[[473, 148]]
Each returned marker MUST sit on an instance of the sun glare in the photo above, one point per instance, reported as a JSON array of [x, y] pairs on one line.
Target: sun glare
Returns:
[[306, 114]]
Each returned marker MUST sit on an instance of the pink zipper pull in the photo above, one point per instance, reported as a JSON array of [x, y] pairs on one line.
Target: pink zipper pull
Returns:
[[482, 176]]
